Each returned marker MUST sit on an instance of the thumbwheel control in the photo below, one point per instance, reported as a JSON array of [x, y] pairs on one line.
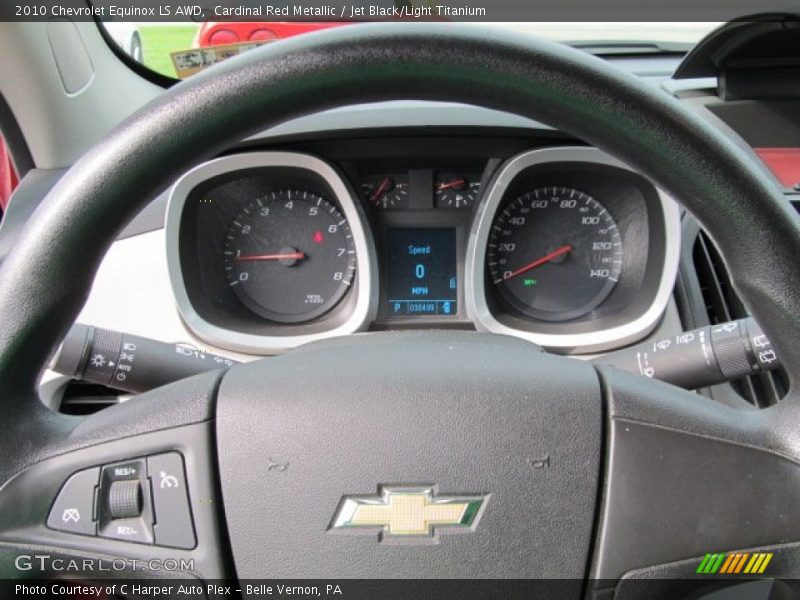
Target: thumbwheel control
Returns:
[[124, 509], [125, 499]]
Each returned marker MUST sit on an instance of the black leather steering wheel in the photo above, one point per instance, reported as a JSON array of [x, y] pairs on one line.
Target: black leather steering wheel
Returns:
[[641, 478]]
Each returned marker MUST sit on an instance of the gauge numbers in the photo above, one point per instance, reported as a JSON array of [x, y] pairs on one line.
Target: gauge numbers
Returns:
[[289, 256], [554, 253]]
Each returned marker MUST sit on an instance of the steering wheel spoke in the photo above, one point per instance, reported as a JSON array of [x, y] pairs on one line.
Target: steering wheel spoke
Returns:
[[697, 476], [133, 486]]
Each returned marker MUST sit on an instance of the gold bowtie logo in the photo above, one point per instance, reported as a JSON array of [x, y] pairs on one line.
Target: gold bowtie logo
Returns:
[[410, 513]]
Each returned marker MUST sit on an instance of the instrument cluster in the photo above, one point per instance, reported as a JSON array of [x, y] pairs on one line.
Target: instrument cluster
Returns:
[[564, 246]]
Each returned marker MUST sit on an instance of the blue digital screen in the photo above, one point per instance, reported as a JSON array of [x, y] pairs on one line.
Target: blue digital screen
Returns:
[[422, 276]]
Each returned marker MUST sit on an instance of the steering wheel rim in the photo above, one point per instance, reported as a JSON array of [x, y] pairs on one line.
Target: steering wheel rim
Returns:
[[42, 286]]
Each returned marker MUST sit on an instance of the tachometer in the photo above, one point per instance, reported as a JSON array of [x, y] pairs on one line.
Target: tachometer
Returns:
[[289, 256], [554, 253]]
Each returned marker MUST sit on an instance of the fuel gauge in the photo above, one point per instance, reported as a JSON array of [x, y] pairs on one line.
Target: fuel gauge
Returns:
[[456, 191]]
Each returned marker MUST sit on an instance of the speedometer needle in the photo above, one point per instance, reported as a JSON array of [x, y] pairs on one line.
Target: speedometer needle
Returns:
[[538, 262], [286, 256]]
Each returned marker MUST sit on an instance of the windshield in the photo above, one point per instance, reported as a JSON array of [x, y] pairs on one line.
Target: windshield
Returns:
[[179, 50]]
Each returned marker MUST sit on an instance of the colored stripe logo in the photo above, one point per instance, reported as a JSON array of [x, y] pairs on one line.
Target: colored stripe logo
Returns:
[[735, 563]]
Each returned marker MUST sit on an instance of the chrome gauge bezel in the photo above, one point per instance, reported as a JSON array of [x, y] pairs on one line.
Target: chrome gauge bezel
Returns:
[[365, 306], [476, 302]]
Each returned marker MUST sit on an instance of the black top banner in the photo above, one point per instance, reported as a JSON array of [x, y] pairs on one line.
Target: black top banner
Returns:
[[391, 10]]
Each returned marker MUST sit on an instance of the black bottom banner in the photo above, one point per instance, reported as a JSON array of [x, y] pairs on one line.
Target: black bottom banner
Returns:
[[708, 588]]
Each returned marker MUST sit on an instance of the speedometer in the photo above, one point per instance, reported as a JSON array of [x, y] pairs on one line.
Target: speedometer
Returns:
[[554, 253], [289, 256]]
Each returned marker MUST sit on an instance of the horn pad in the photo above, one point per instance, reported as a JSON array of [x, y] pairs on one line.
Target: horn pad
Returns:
[[416, 455]]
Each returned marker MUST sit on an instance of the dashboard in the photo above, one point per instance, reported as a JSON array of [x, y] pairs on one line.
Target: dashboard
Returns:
[[670, 278], [561, 245]]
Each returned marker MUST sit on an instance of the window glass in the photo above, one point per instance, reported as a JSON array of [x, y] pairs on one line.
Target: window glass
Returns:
[[179, 50]]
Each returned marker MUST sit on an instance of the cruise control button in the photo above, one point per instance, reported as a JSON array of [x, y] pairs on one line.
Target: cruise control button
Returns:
[[125, 499], [72, 510], [130, 530], [124, 511], [173, 525]]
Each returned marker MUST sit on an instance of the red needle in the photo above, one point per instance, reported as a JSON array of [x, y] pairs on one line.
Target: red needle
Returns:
[[538, 262], [288, 256], [451, 184], [384, 186]]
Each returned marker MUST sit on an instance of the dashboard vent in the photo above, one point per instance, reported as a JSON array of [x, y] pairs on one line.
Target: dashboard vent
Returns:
[[723, 304], [81, 398]]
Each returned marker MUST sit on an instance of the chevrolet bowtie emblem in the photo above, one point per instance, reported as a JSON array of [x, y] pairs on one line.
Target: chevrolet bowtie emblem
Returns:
[[404, 513]]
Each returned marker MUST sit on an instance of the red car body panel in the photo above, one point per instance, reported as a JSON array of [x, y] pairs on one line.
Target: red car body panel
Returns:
[[214, 33], [8, 176], [784, 163]]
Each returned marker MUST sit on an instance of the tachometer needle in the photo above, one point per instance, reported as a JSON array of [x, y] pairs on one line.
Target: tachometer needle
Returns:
[[538, 262], [286, 256]]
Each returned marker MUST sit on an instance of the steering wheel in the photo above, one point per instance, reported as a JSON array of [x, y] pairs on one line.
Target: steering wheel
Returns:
[[566, 470]]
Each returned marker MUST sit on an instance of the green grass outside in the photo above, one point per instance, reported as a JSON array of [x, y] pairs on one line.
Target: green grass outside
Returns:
[[159, 41]]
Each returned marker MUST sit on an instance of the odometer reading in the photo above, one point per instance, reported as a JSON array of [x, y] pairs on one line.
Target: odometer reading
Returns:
[[289, 256], [554, 253]]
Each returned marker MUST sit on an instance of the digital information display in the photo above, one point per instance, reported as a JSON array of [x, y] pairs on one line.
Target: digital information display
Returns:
[[422, 272]]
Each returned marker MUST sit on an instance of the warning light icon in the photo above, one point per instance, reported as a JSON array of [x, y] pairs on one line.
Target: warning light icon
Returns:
[[318, 237]]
